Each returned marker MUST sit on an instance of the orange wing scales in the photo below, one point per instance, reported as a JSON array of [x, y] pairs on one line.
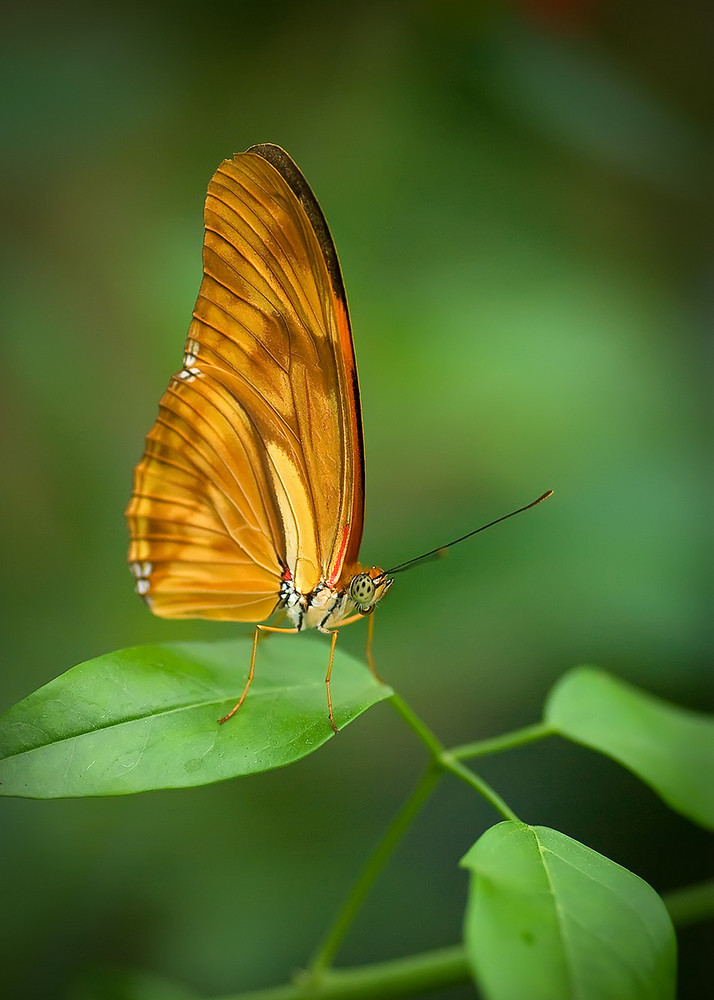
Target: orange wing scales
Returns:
[[253, 472]]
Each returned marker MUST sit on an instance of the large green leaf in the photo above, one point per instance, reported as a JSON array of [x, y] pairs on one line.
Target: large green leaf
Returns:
[[549, 919], [669, 748], [146, 717]]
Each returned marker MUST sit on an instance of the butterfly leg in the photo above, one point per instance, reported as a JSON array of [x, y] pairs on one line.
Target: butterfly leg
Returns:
[[327, 681], [368, 649], [258, 630]]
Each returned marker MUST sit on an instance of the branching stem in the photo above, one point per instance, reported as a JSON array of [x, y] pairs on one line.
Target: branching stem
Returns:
[[445, 967], [449, 763], [447, 760], [506, 741], [441, 760]]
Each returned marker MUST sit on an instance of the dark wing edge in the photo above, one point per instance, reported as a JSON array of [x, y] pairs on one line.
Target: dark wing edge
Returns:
[[295, 179]]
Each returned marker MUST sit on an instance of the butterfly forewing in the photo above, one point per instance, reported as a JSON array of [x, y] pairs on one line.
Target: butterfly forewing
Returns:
[[255, 464]]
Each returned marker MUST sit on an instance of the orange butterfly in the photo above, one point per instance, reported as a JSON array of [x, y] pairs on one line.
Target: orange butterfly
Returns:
[[250, 495]]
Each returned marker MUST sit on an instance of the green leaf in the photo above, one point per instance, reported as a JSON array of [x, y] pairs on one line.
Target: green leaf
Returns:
[[669, 748], [147, 717], [549, 919]]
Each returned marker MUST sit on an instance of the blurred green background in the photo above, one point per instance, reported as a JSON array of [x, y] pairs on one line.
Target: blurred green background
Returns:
[[520, 197]]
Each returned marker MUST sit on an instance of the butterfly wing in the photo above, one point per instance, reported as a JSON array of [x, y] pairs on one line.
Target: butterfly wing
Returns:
[[255, 463]]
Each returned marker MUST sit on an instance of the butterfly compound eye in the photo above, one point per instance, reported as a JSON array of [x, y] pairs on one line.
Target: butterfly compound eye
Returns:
[[362, 592]]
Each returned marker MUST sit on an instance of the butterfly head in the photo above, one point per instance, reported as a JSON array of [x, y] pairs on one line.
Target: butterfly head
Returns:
[[366, 589]]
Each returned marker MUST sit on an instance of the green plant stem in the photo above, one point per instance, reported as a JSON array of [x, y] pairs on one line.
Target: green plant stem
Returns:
[[474, 781], [507, 741], [430, 741], [400, 824], [401, 977], [446, 759]]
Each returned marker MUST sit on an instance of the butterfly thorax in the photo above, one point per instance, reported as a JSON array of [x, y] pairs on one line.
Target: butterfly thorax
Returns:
[[327, 607]]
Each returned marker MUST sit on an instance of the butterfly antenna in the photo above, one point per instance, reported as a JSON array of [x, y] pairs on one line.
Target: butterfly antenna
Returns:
[[440, 551]]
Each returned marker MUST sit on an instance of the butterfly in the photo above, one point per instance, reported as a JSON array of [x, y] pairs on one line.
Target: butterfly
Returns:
[[249, 498]]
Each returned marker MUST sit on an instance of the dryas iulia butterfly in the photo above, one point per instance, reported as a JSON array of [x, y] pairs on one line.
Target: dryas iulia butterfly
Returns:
[[249, 498]]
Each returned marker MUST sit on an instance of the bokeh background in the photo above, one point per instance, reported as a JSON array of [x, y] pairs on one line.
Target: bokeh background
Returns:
[[520, 196]]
